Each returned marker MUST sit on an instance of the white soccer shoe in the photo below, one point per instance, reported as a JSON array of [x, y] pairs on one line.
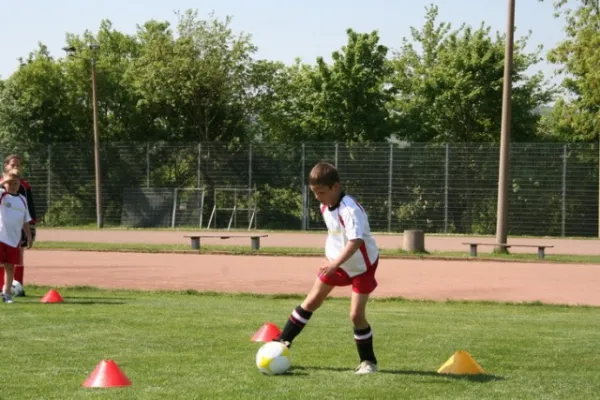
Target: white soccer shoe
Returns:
[[366, 367]]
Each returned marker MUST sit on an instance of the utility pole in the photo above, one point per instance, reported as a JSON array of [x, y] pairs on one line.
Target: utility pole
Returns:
[[98, 175], [503, 178]]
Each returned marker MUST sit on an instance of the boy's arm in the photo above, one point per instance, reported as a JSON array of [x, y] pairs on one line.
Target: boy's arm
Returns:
[[28, 234], [354, 233], [351, 247], [31, 205]]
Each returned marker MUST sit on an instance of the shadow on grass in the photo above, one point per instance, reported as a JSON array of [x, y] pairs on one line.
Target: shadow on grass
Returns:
[[470, 378], [91, 302], [93, 298], [70, 300]]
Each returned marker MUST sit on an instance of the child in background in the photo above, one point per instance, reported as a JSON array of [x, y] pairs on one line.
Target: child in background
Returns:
[[14, 218]]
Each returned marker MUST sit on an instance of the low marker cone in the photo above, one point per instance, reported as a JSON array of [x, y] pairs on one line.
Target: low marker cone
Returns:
[[266, 333], [461, 363], [52, 296], [106, 374]]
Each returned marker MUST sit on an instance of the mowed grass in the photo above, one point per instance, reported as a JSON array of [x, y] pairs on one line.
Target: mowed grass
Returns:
[[190, 345]]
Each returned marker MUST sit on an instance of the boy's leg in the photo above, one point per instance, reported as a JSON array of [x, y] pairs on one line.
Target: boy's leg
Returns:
[[8, 280], [363, 335], [19, 268], [302, 313]]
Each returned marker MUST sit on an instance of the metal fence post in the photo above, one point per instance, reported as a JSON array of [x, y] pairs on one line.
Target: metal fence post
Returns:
[[49, 180], [250, 166], [198, 166], [446, 175], [147, 164], [303, 185], [391, 169], [336, 155], [564, 191]]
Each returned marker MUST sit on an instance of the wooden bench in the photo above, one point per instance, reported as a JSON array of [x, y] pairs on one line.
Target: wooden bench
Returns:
[[541, 248], [254, 239]]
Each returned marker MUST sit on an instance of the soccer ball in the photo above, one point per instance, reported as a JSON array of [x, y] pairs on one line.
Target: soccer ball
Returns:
[[273, 358], [17, 289]]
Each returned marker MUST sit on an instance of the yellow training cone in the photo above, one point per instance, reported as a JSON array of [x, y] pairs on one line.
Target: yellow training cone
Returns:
[[461, 363]]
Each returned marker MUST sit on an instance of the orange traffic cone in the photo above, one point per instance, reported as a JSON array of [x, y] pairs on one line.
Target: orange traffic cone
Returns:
[[461, 363], [52, 296], [106, 374], [266, 333]]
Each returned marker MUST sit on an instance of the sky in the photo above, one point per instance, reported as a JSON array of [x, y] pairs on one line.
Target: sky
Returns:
[[282, 30]]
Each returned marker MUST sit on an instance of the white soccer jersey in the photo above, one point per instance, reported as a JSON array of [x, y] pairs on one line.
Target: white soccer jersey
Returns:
[[347, 221], [13, 215]]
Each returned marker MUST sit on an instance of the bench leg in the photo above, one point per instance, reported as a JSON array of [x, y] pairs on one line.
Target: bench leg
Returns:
[[541, 254], [473, 251], [255, 242], [196, 243]]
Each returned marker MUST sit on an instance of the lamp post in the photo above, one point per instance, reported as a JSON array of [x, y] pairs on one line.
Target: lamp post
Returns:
[[71, 52], [502, 215]]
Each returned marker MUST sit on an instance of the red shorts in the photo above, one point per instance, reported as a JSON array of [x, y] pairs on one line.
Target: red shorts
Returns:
[[9, 254], [364, 283]]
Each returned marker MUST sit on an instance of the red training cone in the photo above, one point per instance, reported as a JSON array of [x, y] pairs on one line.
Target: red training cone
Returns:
[[266, 333], [106, 374], [52, 296]]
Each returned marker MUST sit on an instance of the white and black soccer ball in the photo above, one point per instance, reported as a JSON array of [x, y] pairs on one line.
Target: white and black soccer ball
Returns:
[[17, 289]]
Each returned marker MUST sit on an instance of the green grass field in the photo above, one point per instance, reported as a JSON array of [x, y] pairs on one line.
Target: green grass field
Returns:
[[189, 345]]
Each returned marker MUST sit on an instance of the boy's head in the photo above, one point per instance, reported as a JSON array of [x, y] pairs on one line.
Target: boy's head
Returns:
[[11, 162], [324, 182], [11, 181]]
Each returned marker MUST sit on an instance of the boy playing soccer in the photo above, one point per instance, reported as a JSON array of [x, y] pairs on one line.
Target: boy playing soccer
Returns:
[[352, 257], [14, 217]]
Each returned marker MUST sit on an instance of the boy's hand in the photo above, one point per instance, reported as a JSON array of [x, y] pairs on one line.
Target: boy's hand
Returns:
[[327, 268], [32, 230]]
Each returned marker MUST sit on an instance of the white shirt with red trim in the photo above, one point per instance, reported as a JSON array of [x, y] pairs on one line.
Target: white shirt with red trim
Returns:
[[13, 215], [345, 222]]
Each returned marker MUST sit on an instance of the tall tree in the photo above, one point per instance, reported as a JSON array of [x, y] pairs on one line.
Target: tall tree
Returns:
[[345, 100], [353, 98], [576, 115], [449, 85], [34, 105], [284, 99], [118, 116], [194, 85]]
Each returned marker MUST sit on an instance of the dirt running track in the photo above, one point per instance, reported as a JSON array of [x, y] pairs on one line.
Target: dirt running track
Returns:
[[440, 280]]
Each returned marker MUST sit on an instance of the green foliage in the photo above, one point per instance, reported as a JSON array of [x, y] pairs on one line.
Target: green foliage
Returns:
[[282, 206], [352, 97], [576, 116], [417, 212], [192, 85], [34, 103], [449, 85], [69, 210], [344, 101]]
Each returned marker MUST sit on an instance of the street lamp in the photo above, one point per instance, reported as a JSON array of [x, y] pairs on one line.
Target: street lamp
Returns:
[[71, 51]]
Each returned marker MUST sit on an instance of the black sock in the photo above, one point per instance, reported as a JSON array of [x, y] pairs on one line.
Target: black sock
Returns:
[[297, 320], [364, 344]]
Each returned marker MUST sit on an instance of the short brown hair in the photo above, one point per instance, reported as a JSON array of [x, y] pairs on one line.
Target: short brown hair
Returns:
[[10, 157], [323, 173]]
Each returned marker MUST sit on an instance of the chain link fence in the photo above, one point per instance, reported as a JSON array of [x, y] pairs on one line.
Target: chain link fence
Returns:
[[554, 189]]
